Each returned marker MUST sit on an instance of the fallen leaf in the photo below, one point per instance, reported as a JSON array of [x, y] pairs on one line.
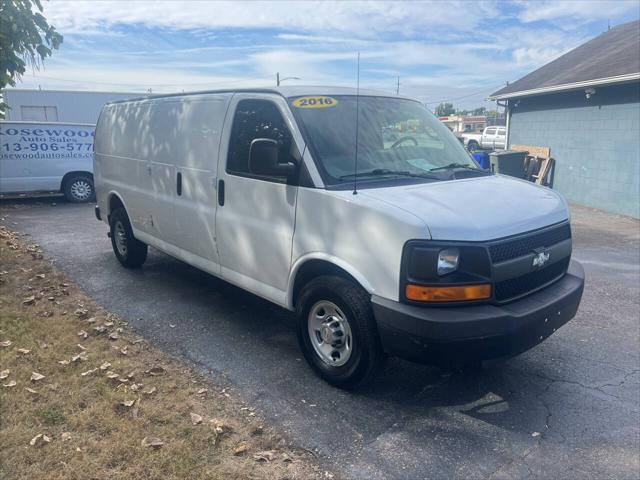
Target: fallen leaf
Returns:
[[81, 313], [100, 329], [124, 350], [35, 376], [81, 356], [6, 343], [4, 374], [90, 320], [108, 324], [88, 372], [31, 390], [172, 325], [195, 418], [40, 275], [81, 347], [127, 403], [23, 351], [29, 300], [153, 442], [157, 370], [265, 456], [63, 362], [202, 391], [113, 336], [83, 334], [112, 375], [240, 450], [105, 365], [41, 438], [12, 383], [151, 391], [65, 436]]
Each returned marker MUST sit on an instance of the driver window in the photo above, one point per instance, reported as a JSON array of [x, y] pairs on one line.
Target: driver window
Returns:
[[255, 119]]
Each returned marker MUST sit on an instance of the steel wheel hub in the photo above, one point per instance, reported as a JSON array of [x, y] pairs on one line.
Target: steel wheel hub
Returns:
[[120, 237], [330, 333]]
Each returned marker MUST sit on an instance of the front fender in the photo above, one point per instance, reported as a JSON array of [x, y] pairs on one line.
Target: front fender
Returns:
[[338, 262]]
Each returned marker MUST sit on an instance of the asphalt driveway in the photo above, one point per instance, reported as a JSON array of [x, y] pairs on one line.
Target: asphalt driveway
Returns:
[[569, 408]]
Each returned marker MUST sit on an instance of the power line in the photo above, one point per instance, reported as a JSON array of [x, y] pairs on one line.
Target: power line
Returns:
[[462, 97]]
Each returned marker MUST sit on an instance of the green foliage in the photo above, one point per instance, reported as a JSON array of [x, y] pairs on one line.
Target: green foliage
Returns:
[[445, 109], [26, 39]]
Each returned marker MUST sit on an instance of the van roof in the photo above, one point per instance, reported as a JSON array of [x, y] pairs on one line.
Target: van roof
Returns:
[[288, 91]]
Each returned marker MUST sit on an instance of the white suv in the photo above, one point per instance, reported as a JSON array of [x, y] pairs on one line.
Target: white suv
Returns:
[[359, 211]]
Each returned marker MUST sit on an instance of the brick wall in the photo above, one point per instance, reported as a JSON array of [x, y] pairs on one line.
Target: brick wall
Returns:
[[596, 143]]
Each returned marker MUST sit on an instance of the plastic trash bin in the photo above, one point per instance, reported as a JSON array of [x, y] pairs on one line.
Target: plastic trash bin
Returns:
[[482, 158]]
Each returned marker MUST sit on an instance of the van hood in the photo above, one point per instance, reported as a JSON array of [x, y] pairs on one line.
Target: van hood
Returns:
[[477, 209]]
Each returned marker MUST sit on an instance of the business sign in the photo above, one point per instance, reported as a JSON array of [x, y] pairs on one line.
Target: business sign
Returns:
[[31, 141]]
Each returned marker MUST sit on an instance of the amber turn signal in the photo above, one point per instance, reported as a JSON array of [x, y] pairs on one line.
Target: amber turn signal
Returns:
[[448, 294]]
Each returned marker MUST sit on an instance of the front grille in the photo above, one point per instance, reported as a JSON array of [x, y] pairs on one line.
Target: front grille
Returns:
[[521, 246], [515, 287]]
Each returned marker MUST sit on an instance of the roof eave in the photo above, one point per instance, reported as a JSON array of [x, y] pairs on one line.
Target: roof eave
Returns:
[[630, 77]]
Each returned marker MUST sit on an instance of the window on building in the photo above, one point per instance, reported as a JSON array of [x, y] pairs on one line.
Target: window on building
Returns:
[[39, 114], [255, 119]]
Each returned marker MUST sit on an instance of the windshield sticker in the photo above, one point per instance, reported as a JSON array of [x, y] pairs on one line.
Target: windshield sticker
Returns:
[[315, 102]]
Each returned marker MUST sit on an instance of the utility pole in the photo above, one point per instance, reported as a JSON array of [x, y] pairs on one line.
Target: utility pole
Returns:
[[398, 87]]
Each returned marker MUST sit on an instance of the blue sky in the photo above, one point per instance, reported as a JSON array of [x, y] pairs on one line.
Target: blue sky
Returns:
[[442, 50]]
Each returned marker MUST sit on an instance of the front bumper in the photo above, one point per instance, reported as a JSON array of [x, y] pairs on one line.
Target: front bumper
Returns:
[[450, 335]]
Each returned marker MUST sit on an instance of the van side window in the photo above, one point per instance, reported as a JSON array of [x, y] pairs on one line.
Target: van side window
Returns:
[[255, 119]]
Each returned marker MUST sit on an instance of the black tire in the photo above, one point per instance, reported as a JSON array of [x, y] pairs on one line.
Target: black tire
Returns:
[[79, 188], [131, 253], [366, 355]]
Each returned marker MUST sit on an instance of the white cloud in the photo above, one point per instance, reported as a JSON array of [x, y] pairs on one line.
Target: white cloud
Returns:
[[358, 18], [576, 10]]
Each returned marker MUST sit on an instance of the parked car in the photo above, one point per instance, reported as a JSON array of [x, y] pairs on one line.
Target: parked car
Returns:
[[493, 138], [379, 245], [46, 157]]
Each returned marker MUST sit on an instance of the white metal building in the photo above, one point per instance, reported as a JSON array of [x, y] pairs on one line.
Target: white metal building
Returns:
[[66, 106]]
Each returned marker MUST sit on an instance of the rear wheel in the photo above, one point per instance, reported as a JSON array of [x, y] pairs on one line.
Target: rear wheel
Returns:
[[337, 332], [130, 252], [79, 189]]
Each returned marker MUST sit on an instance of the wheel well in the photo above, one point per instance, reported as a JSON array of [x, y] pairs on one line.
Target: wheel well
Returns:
[[315, 268], [114, 202], [69, 175]]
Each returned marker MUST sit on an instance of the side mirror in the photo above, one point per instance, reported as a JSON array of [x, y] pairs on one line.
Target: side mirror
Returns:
[[263, 159]]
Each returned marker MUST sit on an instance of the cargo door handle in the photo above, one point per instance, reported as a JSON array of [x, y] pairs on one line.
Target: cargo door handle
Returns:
[[221, 192], [179, 184]]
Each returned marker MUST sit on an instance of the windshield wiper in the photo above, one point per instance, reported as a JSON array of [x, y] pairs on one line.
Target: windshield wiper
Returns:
[[451, 166], [381, 171]]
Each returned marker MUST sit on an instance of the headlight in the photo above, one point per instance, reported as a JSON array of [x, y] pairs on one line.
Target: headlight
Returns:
[[448, 260]]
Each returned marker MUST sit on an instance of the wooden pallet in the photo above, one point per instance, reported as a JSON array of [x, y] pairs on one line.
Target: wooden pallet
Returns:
[[537, 163]]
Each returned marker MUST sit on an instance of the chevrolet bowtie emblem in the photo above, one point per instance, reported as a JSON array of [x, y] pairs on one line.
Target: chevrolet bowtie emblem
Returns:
[[540, 259]]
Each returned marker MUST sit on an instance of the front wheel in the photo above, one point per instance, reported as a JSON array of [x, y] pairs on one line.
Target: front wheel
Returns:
[[129, 251], [337, 332]]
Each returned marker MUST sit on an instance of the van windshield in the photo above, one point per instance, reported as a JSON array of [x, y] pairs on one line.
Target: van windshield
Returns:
[[397, 139]]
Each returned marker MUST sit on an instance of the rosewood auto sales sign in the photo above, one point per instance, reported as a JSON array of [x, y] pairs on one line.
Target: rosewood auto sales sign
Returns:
[[27, 141]]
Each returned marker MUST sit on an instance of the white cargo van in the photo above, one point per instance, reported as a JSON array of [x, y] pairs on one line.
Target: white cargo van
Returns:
[[46, 157], [361, 213]]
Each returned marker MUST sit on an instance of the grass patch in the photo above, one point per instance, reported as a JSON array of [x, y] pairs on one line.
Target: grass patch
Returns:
[[51, 416], [76, 376]]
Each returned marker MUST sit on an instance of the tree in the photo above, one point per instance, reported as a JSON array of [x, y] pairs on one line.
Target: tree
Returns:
[[445, 109], [26, 39]]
